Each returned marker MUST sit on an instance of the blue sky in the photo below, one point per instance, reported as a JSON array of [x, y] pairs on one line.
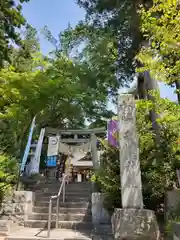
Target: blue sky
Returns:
[[57, 14]]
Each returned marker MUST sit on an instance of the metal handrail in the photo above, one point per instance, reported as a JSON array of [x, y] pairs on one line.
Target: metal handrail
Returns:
[[62, 188]]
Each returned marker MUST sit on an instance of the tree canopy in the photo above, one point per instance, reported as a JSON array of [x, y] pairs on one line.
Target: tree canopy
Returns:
[[122, 18], [11, 19]]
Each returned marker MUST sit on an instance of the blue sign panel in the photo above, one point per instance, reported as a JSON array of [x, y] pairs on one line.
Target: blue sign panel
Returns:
[[51, 161]]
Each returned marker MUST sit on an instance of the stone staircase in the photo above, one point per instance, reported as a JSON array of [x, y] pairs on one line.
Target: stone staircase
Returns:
[[74, 222], [73, 214]]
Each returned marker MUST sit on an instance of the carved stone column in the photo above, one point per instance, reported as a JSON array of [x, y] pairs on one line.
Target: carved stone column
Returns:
[[132, 221]]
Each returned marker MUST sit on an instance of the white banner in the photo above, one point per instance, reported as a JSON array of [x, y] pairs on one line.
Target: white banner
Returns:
[[34, 165], [53, 146], [28, 145]]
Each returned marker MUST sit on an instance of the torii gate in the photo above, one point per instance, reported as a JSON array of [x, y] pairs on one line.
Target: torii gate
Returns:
[[79, 136], [68, 136]]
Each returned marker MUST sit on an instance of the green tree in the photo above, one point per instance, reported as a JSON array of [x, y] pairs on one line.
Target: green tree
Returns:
[[11, 19], [160, 25], [58, 93], [24, 57], [122, 18], [93, 51]]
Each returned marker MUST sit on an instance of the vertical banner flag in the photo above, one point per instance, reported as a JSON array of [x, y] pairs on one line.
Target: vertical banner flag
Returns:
[[112, 129], [36, 159], [28, 145]]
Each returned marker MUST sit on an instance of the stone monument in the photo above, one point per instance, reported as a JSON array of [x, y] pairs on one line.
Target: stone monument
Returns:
[[132, 221]]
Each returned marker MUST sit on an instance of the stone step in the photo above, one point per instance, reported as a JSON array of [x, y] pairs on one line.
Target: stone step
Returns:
[[55, 234], [69, 186], [102, 237], [63, 210], [62, 217], [56, 189], [68, 198], [78, 186], [51, 238], [58, 238], [57, 184], [76, 225], [69, 192], [77, 204], [75, 237]]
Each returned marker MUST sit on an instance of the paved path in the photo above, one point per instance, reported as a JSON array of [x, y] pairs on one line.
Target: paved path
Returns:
[[34, 233]]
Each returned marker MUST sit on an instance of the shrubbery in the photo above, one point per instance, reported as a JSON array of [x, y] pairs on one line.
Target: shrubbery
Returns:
[[8, 173]]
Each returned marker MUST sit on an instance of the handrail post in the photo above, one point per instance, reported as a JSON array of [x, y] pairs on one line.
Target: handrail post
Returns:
[[64, 190], [49, 217], [57, 212]]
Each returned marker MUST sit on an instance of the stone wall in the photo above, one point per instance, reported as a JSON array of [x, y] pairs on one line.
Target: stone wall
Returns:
[[16, 208]]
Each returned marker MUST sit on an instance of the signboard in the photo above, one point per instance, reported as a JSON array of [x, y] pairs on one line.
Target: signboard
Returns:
[[53, 146], [51, 161]]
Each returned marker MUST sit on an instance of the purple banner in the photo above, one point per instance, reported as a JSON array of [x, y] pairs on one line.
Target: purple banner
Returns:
[[112, 129]]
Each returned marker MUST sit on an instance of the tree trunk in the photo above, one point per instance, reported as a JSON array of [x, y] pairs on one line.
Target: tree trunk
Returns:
[[151, 85], [146, 84], [141, 87], [177, 83]]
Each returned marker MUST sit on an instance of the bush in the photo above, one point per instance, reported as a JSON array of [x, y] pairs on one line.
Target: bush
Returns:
[[8, 173], [109, 178]]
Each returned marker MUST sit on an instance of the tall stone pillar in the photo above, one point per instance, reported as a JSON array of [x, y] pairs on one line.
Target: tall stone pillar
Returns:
[[132, 221], [131, 186]]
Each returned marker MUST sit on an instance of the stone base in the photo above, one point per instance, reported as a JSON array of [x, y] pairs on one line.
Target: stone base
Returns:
[[134, 224]]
